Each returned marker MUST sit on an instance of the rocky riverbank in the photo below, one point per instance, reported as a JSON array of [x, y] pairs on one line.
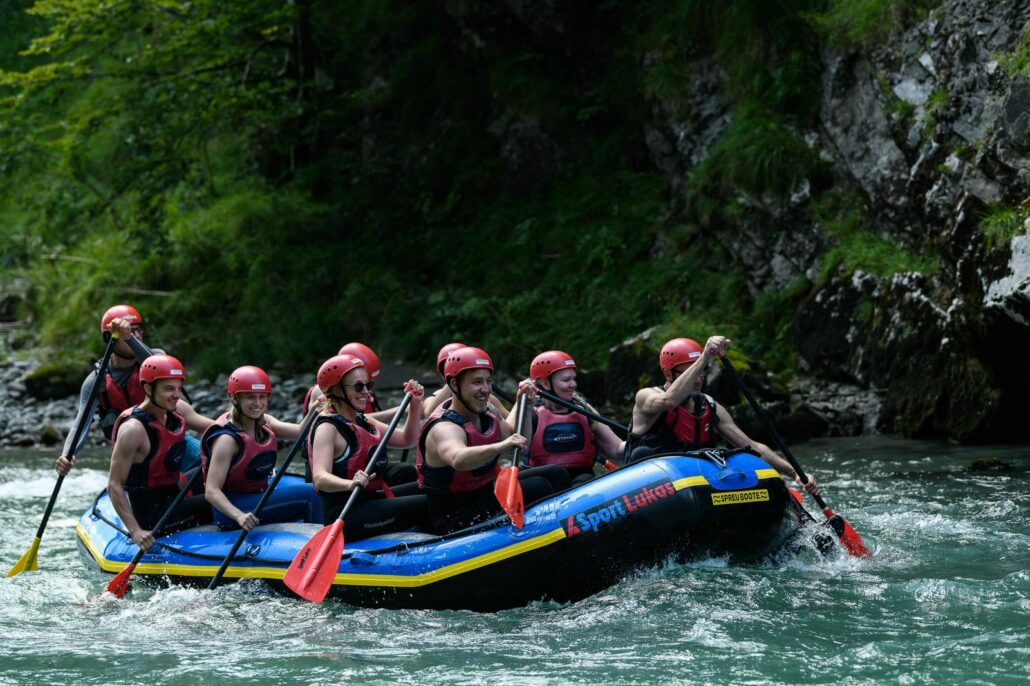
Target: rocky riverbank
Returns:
[[38, 413]]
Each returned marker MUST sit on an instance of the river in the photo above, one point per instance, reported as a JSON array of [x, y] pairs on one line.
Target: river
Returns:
[[945, 599]]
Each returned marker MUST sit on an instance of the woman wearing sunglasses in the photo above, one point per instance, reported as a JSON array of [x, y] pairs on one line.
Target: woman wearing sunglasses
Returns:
[[343, 440]]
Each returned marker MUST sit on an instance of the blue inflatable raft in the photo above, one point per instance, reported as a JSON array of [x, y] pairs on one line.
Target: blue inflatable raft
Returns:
[[573, 544]]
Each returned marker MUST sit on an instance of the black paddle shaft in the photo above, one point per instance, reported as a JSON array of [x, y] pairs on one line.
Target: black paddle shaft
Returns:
[[772, 429], [582, 410], [168, 512], [305, 427], [380, 449], [84, 422]]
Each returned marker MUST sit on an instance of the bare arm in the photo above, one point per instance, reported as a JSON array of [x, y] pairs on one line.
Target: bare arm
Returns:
[[283, 429], [222, 452], [736, 437], [445, 445], [326, 444], [406, 437], [651, 402], [131, 442], [194, 420]]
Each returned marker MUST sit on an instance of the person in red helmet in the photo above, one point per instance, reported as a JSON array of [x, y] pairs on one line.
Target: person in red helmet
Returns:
[[343, 440], [371, 360], [238, 455], [461, 442], [559, 435], [146, 458], [445, 391], [678, 416], [121, 386]]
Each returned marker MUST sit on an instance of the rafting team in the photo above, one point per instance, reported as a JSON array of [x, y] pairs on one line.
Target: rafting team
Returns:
[[459, 433]]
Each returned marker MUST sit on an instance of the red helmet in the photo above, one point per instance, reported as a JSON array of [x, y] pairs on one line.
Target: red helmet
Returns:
[[249, 379], [679, 351], [445, 351], [366, 354], [126, 312], [334, 369], [466, 358], [548, 363], [161, 367]]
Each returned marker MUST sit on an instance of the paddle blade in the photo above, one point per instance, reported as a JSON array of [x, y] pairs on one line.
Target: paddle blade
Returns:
[[27, 562], [120, 583], [509, 494], [313, 569], [849, 538]]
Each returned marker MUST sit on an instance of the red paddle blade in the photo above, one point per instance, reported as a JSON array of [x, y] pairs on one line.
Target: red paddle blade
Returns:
[[313, 569], [509, 494], [120, 583], [849, 538]]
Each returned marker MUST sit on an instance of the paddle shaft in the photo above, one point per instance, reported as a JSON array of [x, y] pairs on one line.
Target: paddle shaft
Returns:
[[168, 513], [84, 423], [336, 528], [374, 460], [582, 410], [802, 477], [305, 427], [520, 419]]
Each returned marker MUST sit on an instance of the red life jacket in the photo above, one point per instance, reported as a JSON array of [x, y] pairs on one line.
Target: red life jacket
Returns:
[[562, 439], [362, 437], [160, 468], [253, 462], [693, 431], [446, 478], [121, 398]]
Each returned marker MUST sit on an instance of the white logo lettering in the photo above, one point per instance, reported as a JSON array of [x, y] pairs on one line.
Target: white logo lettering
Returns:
[[257, 387]]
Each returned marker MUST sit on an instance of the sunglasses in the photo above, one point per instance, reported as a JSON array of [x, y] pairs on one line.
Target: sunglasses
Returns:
[[138, 328], [360, 386]]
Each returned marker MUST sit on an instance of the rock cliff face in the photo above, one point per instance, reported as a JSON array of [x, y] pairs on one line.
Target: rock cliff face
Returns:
[[931, 134]]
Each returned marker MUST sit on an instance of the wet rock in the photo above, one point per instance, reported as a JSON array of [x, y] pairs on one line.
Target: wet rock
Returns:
[[50, 436], [989, 465]]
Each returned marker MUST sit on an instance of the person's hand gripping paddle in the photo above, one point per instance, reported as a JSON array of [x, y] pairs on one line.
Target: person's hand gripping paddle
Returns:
[[507, 487], [314, 568]]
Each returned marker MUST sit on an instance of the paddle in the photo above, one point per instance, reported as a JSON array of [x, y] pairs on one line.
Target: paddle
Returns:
[[305, 427], [849, 538], [507, 487], [313, 569], [28, 561], [608, 464], [120, 583]]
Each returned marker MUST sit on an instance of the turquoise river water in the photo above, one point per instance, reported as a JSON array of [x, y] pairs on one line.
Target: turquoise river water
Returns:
[[944, 600]]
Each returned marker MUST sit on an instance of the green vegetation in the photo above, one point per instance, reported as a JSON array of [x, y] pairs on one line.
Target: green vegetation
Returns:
[[856, 245], [1000, 224], [268, 180], [1017, 62], [866, 22]]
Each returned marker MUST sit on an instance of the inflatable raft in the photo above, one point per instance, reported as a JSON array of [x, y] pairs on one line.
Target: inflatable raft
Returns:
[[574, 543]]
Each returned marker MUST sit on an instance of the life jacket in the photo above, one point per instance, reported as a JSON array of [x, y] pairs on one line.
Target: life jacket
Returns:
[[362, 437], [254, 459], [446, 478], [562, 439], [678, 429], [160, 468], [115, 399]]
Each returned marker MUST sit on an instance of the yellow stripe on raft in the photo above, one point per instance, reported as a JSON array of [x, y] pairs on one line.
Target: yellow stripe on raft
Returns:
[[394, 580], [391, 580]]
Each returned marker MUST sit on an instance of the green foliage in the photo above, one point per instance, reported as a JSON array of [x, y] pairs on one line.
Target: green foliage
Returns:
[[757, 155], [1016, 62], [856, 245], [867, 22], [1000, 224]]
